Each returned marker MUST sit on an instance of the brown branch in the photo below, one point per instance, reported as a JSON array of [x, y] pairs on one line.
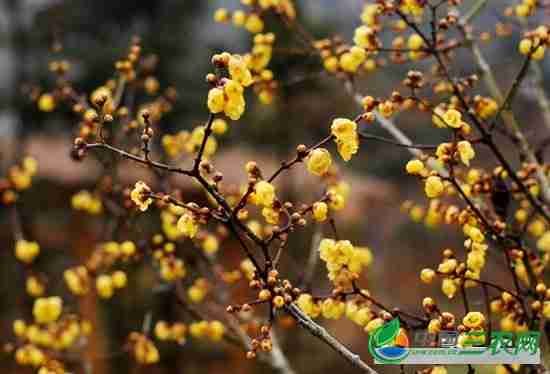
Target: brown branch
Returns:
[[316, 330]]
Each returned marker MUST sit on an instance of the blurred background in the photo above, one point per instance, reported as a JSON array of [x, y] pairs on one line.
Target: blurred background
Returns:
[[182, 33]]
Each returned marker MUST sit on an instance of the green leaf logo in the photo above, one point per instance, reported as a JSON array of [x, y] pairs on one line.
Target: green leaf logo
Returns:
[[387, 333]]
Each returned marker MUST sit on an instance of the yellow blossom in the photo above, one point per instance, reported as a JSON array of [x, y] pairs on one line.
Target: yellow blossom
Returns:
[[216, 100], [452, 118], [319, 161], [140, 196], [449, 288], [415, 167], [47, 309], [238, 71], [46, 103], [104, 285], [415, 42], [347, 140], [427, 275], [254, 23], [187, 225], [34, 286], [433, 187], [320, 210], [473, 320], [466, 152], [26, 251], [264, 193]]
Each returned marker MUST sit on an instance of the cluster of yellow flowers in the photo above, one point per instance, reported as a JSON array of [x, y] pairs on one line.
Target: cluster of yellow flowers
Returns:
[[47, 309], [198, 291], [213, 330], [535, 42], [88, 202], [26, 251], [35, 286], [171, 268], [171, 332], [412, 7], [252, 20], [356, 310], [485, 107], [344, 261], [140, 195], [346, 137], [227, 94], [38, 341], [526, 8], [77, 280], [190, 142], [458, 274], [19, 178], [123, 250], [106, 284], [144, 350], [56, 335]]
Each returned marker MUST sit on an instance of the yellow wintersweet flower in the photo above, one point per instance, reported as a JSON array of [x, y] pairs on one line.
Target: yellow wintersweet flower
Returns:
[[264, 193], [333, 309], [412, 7], [30, 165], [219, 126], [140, 196], [427, 275], [364, 37], [319, 161], [238, 70], [415, 167], [449, 288], [374, 325], [215, 331], [448, 266], [47, 309], [221, 15], [343, 128], [546, 309], [20, 178], [77, 280], [271, 215], [415, 42], [235, 107], [145, 351], [320, 210], [254, 23], [46, 103], [347, 140], [433, 187], [119, 279], [473, 320], [466, 152], [26, 251], [104, 285], [210, 245], [34, 286], [452, 118], [187, 225], [544, 242], [369, 14], [308, 306], [172, 269], [216, 100]]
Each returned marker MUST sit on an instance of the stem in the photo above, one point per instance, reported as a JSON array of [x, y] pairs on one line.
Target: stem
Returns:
[[313, 328]]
